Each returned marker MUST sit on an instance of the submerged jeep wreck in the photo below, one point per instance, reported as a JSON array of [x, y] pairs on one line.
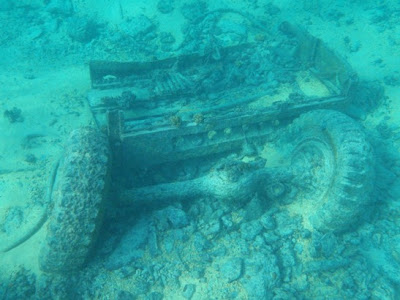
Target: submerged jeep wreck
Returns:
[[258, 119]]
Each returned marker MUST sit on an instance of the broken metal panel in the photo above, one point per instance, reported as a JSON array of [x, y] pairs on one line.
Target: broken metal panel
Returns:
[[333, 70], [307, 44], [115, 120], [109, 74], [325, 63]]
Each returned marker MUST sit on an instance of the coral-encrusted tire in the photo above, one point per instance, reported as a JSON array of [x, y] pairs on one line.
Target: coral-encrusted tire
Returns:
[[78, 199], [333, 164]]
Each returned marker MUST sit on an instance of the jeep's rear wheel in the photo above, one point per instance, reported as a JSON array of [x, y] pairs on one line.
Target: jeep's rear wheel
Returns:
[[333, 166]]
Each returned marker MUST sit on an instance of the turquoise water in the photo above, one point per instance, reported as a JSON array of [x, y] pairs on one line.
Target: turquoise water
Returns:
[[198, 150]]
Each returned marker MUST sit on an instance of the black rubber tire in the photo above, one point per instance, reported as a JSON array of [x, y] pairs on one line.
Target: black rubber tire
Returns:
[[333, 164], [78, 199]]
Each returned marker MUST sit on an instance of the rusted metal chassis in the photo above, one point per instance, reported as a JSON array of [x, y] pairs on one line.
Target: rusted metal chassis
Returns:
[[143, 148], [174, 144], [177, 144]]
